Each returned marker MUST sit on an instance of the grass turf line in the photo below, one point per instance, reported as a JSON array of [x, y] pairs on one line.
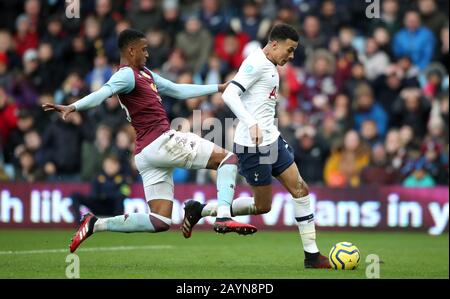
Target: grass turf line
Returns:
[[263, 255]]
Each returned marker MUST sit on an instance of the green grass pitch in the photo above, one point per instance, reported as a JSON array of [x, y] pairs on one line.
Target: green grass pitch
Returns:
[[267, 254]]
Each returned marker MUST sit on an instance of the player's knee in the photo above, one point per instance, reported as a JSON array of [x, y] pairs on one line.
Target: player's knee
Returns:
[[301, 190], [160, 223], [264, 209], [162, 228], [230, 158]]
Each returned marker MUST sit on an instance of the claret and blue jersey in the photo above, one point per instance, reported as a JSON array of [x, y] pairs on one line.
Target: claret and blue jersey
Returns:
[[139, 93]]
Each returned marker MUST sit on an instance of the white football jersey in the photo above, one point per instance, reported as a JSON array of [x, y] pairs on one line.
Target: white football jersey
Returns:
[[259, 82]]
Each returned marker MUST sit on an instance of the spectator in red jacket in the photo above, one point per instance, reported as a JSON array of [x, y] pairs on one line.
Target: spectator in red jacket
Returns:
[[26, 36], [8, 118], [229, 47]]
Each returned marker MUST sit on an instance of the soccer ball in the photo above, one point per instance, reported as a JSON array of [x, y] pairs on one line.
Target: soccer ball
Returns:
[[344, 256]]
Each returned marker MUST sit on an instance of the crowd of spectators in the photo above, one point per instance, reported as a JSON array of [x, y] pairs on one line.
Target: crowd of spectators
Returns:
[[365, 100]]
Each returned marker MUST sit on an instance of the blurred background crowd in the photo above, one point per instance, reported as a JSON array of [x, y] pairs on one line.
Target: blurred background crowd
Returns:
[[365, 101]]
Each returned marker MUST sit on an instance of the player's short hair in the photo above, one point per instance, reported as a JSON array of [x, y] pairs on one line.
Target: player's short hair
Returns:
[[283, 32], [127, 37]]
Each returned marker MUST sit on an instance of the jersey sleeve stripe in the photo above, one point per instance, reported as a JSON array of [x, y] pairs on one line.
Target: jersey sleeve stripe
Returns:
[[238, 85]]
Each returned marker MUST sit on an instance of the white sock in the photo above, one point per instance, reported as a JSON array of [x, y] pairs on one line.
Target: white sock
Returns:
[[133, 222], [240, 206], [100, 225], [305, 221], [223, 211]]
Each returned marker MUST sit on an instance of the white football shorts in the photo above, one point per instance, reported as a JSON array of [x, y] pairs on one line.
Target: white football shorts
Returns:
[[157, 160]]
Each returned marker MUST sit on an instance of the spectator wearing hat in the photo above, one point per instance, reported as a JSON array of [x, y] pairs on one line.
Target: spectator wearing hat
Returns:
[[26, 36], [25, 85], [434, 81], [419, 177]]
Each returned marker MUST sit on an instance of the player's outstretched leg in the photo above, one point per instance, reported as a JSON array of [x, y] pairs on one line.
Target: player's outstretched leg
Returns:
[[85, 230], [226, 165], [128, 223]]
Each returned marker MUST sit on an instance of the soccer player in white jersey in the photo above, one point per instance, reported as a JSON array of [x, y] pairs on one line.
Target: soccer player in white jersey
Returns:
[[262, 152]]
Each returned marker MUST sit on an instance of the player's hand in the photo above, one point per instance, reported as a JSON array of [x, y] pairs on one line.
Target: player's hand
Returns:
[[223, 86], [61, 109], [256, 134]]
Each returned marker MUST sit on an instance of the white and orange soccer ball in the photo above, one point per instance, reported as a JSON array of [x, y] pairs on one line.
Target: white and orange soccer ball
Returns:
[[344, 256]]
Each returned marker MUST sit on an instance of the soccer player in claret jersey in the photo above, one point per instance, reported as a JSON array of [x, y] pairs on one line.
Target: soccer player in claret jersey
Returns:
[[158, 148], [261, 151]]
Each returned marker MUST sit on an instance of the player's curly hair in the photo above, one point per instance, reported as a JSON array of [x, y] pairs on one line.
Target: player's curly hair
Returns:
[[127, 37], [283, 31]]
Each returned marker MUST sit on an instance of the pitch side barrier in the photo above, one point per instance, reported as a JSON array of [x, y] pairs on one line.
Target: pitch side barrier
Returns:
[[48, 205]]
